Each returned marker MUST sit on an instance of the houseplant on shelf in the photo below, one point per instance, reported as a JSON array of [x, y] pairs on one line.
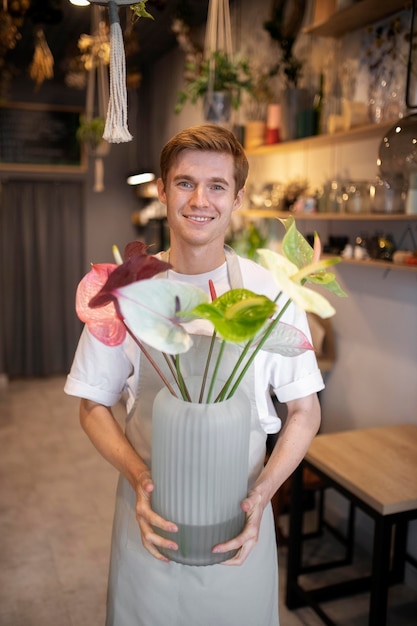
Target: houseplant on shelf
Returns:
[[114, 300], [283, 27]]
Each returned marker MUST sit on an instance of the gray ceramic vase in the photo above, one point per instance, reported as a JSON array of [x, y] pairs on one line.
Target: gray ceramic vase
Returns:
[[200, 456]]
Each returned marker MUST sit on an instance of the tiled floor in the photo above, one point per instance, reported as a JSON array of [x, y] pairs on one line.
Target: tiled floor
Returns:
[[56, 506]]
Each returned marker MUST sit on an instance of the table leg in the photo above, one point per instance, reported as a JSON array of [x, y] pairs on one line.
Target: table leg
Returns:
[[400, 551], [295, 539], [380, 572]]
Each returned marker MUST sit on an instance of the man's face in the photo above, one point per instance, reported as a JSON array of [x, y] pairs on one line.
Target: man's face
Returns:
[[200, 196]]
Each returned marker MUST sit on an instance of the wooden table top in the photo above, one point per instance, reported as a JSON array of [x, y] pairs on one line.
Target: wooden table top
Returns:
[[378, 465]]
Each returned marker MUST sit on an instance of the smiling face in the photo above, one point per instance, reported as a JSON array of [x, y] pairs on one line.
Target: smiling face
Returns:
[[200, 197]]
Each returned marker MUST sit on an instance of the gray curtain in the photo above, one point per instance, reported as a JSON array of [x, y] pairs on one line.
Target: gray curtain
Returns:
[[41, 263]]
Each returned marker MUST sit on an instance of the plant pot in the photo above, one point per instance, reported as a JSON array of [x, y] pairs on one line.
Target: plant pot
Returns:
[[255, 132], [217, 107], [200, 455], [293, 102]]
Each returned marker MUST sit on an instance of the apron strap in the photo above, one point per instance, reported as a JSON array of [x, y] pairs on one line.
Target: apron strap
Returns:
[[233, 267]]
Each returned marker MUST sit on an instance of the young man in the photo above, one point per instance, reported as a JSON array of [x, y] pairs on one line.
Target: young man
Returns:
[[203, 173]]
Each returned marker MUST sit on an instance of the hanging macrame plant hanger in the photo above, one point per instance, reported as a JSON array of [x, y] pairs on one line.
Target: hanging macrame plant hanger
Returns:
[[97, 77], [116, 130], [218, 38]]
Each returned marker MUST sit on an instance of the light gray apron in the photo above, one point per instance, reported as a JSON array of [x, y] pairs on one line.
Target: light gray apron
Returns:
[[146, 592]]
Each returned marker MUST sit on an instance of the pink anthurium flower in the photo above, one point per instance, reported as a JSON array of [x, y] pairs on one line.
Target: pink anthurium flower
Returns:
[[96, 304], [103, 323]]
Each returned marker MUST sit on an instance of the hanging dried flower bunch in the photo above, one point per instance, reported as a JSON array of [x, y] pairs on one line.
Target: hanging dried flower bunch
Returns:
[[42, 66]]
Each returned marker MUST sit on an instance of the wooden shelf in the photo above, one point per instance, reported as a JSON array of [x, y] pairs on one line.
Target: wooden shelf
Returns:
[[387, 265], [257, 214], [360, 133], [355, 16]]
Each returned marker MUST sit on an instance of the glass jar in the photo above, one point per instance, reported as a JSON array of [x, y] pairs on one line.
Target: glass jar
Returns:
[[387, 199], [358, 197]]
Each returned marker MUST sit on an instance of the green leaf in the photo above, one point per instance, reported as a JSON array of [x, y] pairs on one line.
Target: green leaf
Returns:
[[328, 280], [295, 247], [139, 10], [237, 315]]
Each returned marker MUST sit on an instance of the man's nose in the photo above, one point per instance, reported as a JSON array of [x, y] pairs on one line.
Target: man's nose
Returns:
[[200, 197]]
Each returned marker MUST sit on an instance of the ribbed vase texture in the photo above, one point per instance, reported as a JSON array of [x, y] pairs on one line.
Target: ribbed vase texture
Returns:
[[200, 469]]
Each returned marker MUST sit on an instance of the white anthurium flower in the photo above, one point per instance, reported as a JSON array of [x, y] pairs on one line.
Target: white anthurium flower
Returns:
[[305, 298], [150, 307]]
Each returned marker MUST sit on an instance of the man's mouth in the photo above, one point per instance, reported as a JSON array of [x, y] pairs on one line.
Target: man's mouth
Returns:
[[196, 218]]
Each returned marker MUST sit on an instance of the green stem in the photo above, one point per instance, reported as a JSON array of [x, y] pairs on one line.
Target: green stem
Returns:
[[209, 355], [172, 369], [258, 347], [181, 383], [216, 369], [151, 360], [228, 382], [238, 363]]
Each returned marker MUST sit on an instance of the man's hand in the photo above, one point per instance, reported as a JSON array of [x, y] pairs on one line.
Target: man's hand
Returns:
[[253, 506], [147, 519]]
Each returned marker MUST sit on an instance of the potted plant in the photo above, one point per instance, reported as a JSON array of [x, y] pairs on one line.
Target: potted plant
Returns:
[[219, 74], [283, 27], [90, 132]]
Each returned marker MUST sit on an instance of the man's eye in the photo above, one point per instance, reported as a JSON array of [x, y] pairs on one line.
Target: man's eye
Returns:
[[185, 184], [216, 187]]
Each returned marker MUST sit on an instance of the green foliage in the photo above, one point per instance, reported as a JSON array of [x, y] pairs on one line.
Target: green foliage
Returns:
[[231, 76], [297, 249], [139, 10], [90, 132]]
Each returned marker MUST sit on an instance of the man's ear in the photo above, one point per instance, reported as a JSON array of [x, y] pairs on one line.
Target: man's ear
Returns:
[[161, 190], [239, 199]]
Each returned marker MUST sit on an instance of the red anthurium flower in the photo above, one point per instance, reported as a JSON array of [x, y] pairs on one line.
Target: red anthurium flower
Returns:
[[137, 266], [95, 303]]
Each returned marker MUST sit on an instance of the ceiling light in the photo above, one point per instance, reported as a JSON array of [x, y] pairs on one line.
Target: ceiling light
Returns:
[[138, 179], [80, 3]]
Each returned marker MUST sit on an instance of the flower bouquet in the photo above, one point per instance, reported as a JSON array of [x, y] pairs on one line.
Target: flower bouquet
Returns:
[[123, 298]]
